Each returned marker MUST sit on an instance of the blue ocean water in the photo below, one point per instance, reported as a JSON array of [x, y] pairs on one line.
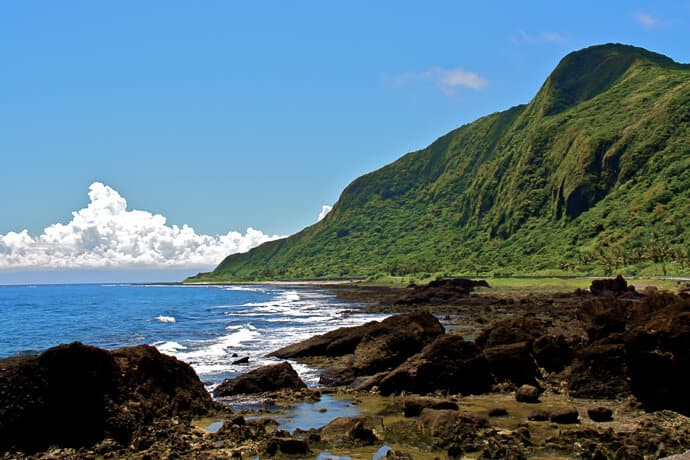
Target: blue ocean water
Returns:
[[202, 325]]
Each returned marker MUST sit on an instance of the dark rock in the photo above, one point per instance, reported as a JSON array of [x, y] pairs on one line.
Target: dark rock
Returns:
[[413, 405], [657, 349], [538, 416], [449, 363], [338, 375], [609, 286], [603, 317], [512, 362], [598, 371], [552, 353], [600, 414], [566, 415], [243, 360], [76, 395], [267, 378], [498, 412], [421, 325], [398, 338], [510, 330], [443, 291], [353, 431], [527, 394], [287, 446]]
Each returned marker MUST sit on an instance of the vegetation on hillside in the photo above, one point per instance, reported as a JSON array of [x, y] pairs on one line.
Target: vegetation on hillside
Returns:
[[592, 176]]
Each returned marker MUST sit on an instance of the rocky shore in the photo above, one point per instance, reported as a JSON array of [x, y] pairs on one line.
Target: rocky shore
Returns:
[[597, 374]]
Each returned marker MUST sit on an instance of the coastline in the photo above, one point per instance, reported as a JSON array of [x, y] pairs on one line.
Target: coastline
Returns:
[[492, 424]]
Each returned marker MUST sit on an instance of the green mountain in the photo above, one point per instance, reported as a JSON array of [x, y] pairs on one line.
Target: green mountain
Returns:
[[592, 176]]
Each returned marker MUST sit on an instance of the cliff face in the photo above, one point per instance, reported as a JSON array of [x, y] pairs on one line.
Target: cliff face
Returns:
[[592, 175]]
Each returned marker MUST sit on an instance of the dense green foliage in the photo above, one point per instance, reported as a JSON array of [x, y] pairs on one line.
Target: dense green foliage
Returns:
[[592, 176]]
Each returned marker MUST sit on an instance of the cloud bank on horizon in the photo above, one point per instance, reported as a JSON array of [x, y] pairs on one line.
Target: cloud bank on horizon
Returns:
[[107, 235]]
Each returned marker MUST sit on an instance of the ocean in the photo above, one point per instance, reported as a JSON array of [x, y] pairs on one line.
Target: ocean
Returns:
[[208, 327]]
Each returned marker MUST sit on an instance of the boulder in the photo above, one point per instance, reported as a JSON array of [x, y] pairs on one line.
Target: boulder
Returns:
[[565, 415], [603, 317], [267, 378], [512, 362], [600, 414], [413, 405], [527, 394], [450, 424], [76, 395], [510, 330], [353, 431], [287, 446], [449, 363]]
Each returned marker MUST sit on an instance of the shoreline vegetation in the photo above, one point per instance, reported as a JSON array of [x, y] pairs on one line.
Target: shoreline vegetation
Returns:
[[464, 369]]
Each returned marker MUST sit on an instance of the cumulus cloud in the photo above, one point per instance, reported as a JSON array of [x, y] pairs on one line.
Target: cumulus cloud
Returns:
[[646, 20], [325, 209], [107, 235], [448, 80]]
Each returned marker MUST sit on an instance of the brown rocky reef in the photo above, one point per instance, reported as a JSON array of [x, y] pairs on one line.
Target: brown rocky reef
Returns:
[[76, 395], [639, 346]]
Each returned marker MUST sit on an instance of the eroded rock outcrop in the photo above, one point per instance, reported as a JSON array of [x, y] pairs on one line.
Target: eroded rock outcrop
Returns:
[[76, 395]]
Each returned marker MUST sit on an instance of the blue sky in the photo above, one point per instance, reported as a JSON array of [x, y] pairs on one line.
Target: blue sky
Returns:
[[228, 115]]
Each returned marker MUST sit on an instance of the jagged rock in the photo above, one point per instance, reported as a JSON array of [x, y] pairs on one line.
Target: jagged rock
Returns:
[[421, 325], [510, 330], [76, 395], [441, 291], [512, 362], [243, 360], [552, 353], [566, 415], [527, 394], [598, 371], [603, 317], [600, 414], [657, 350], [413, 405], [398, 338], [267, 378], [614, 286], [449, 363]]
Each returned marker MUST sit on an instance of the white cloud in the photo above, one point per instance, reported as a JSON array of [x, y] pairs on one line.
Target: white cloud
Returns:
[[448, 80], [325, 209], [646, 20], [106, 235], [534, 39]]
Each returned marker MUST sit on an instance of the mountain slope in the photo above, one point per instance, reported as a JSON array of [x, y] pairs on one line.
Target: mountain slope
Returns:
[[592, 175]]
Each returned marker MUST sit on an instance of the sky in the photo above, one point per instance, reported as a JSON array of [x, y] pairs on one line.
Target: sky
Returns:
[[147, 140]]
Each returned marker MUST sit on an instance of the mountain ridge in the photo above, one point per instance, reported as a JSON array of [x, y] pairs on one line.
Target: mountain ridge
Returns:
[[581, 179]]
